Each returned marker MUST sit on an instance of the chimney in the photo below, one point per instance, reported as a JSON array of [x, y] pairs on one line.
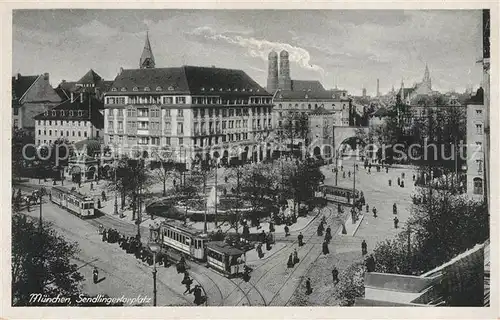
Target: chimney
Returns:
[[46, 76], [121, 70], [72, 97], [63, 81], [18, 76]]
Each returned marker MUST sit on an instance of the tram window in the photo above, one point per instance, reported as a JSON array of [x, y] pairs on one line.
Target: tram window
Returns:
[[91, 205]]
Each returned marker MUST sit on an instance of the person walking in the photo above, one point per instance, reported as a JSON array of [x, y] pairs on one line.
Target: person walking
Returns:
[[374, 212], [394, 209], [325, 248], [290, 261], [367, 208], [188, 283], [308, 286], [287, 231], [320, 229], [295, 257], [335, 275], [396, 221], [300, 239], [364, 248], [95, 274]]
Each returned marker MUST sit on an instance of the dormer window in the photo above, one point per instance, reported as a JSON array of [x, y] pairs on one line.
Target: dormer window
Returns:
[[235, 89], [80, 113], [135, 89], [170, 88], [243, 89], [146, 89], [123, 89], [113, 89], [202, 89], [251, 90], [62, 113], [158, 88], [220, 89], [211, 89], [53, 113], [71, 113], [228, 89], [46, 113]]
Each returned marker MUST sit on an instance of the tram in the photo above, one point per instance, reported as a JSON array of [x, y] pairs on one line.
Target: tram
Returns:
[[339, 195], [73, 201], [186, 240], [225, 258]]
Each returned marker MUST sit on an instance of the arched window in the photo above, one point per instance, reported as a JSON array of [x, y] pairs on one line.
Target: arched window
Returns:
[[478, 186], [113, 89], [309, 106], [146, 89], [136, 89], [123, 89], [158, 88], [280, 106]]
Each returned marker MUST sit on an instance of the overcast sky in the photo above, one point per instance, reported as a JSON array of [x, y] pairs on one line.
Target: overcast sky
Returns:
[[350, 49]]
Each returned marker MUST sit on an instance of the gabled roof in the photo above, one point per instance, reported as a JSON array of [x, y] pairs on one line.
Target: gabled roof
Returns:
[[21, 84], [147, 54], [381, 112], [187, 80], [90, 77], [307, 85]]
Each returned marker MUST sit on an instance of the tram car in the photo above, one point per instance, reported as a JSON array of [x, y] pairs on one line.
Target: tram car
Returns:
[[73, 201], [225, 258], [346, 196], [189, 241]]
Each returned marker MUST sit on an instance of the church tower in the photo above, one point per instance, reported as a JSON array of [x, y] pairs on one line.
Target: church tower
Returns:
[[272, 73], [427, 78], [284, 82], [147, 60]]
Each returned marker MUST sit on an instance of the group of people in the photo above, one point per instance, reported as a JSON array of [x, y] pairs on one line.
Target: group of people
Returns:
[[293, 259], [131, 245], [196, 290]]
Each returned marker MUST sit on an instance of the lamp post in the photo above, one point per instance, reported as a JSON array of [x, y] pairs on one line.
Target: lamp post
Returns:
[[116, 190], [155, 248]]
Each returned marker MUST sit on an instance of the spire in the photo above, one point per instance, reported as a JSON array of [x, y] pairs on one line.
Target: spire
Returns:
[[426, 73], [147, 59]]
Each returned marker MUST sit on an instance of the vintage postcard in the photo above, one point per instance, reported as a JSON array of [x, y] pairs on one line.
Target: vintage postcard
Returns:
[[200, 157]]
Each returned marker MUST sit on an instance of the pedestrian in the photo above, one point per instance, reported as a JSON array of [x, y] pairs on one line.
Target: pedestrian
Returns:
[[386, 169], [370, 263], [98, 203], [104, 235], [339, 208], [329, 233], [390, 182], [271, 226], [224, 191], [369, 169], [343, 174], [396, 221], [225, 179], [342, 168], [325, 248], [91, 186], [300, 238], [402, 175], [367, 208], [308, 286], [402, 185], [399, 181], [320, 229], [103, 194], [349, 173], [188, 283], [259, 250], [95, 274], [357, 167], [335, 275], [374, 212], [287, 231], [413, 177], [364, 248], [295, 257], [197, 295], [394, 209], [262, 236], [290, 261]]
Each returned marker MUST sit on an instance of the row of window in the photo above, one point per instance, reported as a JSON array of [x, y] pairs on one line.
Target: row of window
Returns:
[[183, 100], [146, 125], [203, 142], [63, 123], [309, 106], [73, 133], [63, 113], [131, 140]]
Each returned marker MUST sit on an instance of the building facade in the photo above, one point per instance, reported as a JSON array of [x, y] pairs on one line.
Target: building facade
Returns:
[[196, 112], [476, 142], [91, 83], [76, 119], [31, 95]]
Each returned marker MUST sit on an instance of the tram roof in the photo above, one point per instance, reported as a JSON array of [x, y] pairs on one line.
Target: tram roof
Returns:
[[222, 247], [75, 193], [178, 225]]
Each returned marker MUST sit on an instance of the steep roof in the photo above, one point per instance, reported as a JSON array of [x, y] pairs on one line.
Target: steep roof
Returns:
[[187, 80], [147, 58], [307, 85], [331, 95], [91, 77], [86, 110], [21, 84]]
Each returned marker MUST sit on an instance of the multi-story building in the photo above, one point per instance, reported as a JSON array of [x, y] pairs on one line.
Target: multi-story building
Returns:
[[31, 95], [476, 141], [321, 123], [78, 118], [195, 112]]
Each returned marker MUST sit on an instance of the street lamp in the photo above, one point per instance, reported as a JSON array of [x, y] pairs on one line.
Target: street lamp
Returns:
[[155, 248], [116, 190]]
